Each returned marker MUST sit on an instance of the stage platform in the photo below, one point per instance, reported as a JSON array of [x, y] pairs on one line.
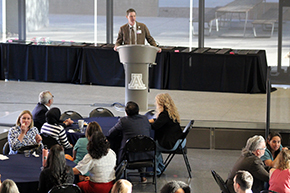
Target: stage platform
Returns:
[[223, 120]]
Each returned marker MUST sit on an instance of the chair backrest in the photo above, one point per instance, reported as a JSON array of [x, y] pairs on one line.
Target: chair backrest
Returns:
[[187, 129], [70, 114], [140, 148], [101, 112], [150, 114], [48, 140], [120, 170], [220, 182], [267, 191], [6, 148], [65, 188]]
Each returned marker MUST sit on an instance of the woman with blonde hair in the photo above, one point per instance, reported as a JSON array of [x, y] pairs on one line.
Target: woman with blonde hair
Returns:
[[166, 126], [122, 186], [8, 186], [280, 175], [24, 133]]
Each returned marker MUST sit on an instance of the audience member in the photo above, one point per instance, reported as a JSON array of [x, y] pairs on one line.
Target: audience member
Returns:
[[243, 182], [100, 162], [167, 127], [280, 175], [8, 186], [130, 126], [53, 128], [122, 186], [24, 133], [43, 105], [274, 147], [56, 172], [250, 161], [175, 187], [80, 148]]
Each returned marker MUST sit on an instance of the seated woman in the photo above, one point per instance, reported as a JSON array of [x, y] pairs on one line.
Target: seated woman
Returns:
[[8, 186], [167, 126], [80, 148], [280, 177], [122, 186], [274, 147], [24, 133], [250, 161], [53, 127], [100, 162], [56, 172]]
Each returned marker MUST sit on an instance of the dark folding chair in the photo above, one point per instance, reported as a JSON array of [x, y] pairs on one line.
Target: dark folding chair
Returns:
[[48, 140], [120, 170], [70, 114], [6, 148], [101, 112], [140, 152], [221, 183], [150, 114], [179, 150], [65, 188]]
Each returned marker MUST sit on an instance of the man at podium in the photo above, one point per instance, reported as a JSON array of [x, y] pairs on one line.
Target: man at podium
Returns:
[[134, 32]]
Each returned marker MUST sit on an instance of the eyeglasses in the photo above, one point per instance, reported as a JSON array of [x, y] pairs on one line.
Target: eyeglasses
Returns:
[[262, 148]]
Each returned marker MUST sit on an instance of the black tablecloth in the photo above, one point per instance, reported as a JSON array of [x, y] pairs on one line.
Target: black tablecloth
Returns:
[[23, 171], [106, 124], [182, 71]]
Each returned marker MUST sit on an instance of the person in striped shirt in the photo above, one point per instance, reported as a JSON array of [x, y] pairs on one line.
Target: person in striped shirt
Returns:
[[54, 128]]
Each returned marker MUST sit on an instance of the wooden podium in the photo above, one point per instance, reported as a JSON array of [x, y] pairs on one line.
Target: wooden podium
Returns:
[[136, 60]]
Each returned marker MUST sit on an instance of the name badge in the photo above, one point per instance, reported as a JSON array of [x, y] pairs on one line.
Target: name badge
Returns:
[[139, 31]]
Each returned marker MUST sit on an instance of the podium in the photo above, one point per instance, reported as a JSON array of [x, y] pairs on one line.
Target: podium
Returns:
[[136, 60]]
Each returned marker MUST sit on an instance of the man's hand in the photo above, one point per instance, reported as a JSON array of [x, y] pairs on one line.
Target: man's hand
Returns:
[[68, 121]]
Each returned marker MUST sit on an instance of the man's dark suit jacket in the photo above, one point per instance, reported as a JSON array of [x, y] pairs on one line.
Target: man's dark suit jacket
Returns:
[[129, 127], [255, 166], [124, 35], [38, 114]]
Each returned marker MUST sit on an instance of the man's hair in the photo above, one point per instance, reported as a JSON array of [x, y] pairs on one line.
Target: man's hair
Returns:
[[130, 10], [244, 179], [132, 108], [253, 144], [44, 97], [173, 186]]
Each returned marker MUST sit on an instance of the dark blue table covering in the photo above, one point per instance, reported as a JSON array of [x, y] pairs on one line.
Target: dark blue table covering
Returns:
[[106, 124], [23, 169]]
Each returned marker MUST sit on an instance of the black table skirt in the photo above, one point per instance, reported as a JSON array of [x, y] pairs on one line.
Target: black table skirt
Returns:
[[101, 66]]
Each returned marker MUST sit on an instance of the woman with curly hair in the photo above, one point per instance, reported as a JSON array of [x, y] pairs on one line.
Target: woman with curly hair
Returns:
[[280, 177], [56, 172], [167, 126], [100, 162]]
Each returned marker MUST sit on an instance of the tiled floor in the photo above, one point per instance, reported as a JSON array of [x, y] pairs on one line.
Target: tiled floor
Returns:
[[207, 108]]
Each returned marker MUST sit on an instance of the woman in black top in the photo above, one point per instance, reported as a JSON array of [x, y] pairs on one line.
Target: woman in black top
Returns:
[[56, 172], [167, 126]]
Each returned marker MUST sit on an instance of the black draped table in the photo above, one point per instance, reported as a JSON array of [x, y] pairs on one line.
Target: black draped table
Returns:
[[238, 73], [106, 124], [24, 171]]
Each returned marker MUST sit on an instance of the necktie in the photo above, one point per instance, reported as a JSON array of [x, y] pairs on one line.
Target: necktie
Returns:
[[132, 36]]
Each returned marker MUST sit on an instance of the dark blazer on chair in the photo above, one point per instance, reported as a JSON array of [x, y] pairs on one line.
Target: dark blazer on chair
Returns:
[[167, 132], [129, 127], [38, 114], [255, 166], [124, 35]]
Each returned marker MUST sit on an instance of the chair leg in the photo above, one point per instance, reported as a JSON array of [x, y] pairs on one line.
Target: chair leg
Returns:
[[186, 163], [167, 161]]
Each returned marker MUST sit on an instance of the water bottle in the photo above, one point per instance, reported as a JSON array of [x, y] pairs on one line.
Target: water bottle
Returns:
[[44, 155]]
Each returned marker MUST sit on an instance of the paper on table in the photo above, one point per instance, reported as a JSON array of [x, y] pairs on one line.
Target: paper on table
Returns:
[[71, 131], [3, 157]]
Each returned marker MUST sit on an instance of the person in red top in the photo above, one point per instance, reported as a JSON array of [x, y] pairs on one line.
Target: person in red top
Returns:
[[280, 177]]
